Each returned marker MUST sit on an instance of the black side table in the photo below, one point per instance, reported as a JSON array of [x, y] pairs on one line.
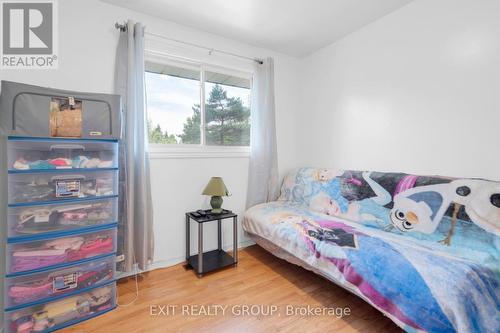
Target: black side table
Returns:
[[205, 262]]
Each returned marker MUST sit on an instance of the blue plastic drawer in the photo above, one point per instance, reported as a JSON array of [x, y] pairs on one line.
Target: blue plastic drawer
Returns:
[[63, 312], [49, 187], [58, 217], [45, 286], [40, 154], [35, 255]]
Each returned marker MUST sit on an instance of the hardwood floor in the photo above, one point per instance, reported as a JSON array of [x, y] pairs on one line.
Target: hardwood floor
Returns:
[[260, 280]]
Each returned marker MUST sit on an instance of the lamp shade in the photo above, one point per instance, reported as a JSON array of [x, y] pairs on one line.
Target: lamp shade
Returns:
[[216, 187]]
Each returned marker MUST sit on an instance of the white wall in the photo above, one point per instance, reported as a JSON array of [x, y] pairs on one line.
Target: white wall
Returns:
[[87, 43], [416, 91]]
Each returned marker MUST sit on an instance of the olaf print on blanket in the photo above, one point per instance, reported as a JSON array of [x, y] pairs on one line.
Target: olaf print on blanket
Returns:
[[400, 203], [422, 208]]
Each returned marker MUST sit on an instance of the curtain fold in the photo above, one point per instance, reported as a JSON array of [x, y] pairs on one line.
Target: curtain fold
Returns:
[[136, 238], [263, 183]]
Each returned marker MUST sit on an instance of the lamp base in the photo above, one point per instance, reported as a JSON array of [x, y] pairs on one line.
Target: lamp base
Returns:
[[216, 203]]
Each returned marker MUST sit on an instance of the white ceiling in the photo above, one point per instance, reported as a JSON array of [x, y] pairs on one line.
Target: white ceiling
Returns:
[[294, 27]]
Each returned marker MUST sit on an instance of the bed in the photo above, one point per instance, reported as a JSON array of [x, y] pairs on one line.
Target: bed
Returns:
[[422, 250]]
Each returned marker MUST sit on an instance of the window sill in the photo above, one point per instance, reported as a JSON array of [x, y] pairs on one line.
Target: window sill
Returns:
[[160, 151]]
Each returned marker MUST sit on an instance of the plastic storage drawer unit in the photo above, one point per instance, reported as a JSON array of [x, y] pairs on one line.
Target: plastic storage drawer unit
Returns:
[[60, 203], [49, 186], [47, 154], [37, 220], [64, 312], [45, 286], [26, 256]]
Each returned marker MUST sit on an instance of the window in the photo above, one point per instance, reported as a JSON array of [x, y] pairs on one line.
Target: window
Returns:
[[191, 104]]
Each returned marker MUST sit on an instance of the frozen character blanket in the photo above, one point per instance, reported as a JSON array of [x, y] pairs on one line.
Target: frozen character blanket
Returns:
[[423, 250]]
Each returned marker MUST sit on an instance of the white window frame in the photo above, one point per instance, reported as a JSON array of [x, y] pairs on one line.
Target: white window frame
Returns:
[[202, 150]]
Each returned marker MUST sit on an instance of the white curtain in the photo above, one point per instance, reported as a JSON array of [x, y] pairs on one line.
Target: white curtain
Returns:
[[136, 241], [263, 183]]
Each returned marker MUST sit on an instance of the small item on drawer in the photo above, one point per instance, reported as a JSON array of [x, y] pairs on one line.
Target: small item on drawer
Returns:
[[68, 243], [40, 322], [28, 192], [37, 220], [65, 282], [67, 188], [84, 162], [73, 208], [21, 164], [61, 163], [89, 188], [27, 293], [65, 310], [98, 274], [105, 164], [99, 297], [75, 216], [98, 215], [93, 163], [65, 117], [21, 322], [79, 162], [41, 165], [36, 216], [93, 277], [92, 248], [75, 212], [74, 186], [104, 186], [88, 214], [97, 163]]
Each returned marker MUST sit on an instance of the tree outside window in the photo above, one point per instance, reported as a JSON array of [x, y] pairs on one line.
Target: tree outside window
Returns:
[[175, 113]]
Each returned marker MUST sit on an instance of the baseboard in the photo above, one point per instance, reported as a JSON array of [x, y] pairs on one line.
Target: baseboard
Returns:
[[175, 261]]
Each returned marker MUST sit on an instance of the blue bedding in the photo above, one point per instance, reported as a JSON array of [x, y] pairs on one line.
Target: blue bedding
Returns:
[[422, 250]]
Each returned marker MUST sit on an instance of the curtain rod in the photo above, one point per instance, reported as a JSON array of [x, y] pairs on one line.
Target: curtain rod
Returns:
[[123, 27]]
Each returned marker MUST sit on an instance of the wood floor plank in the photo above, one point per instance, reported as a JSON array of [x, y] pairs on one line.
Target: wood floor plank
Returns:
[[260, 280]]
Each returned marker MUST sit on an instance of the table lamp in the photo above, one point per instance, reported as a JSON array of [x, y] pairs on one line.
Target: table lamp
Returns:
[[217, 189]]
